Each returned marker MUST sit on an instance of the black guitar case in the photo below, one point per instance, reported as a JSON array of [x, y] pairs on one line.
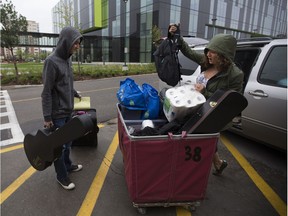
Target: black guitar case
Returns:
[[216, 112], [43, 146]]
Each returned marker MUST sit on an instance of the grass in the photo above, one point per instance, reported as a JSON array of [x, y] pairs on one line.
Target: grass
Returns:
[[31, 73]]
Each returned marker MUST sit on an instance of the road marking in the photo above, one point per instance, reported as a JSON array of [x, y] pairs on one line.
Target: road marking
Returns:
[[96, 186], [16, 184], [278, 204], [101, 125], [96, 90], [38, 98], [25, 100], [21, 179], [12, 125], [180, 211], [4, 150], [94, 191]]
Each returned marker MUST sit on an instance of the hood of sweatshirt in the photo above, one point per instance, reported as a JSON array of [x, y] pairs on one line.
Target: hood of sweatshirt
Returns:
[[224, 44], [68, 36]]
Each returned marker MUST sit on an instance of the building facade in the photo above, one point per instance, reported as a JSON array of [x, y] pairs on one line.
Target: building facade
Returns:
[[20, 51], [121, 30], [32, 27]]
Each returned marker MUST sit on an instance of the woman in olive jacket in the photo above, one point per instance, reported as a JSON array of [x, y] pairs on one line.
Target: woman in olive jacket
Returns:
[[218, 72]]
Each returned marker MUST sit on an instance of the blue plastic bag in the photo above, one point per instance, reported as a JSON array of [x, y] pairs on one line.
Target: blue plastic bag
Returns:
[[131, 95], [152, 102]]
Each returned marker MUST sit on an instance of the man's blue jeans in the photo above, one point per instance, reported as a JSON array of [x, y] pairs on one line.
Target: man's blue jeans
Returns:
[[63, 164]]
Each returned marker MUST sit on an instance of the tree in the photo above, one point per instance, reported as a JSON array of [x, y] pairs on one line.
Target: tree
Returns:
[[65, 11], [11, 26], [156, 35]]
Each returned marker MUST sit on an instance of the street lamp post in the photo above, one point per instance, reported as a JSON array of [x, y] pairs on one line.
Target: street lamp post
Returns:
[[125, 48], [214, 22]]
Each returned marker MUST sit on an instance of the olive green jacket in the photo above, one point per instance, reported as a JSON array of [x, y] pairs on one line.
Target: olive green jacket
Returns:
[[226, 80]]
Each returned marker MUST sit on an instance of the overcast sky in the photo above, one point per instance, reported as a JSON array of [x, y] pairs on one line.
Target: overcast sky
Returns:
[[36, 10]]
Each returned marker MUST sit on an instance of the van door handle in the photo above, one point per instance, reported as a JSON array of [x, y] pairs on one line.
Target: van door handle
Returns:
[[258, 93]]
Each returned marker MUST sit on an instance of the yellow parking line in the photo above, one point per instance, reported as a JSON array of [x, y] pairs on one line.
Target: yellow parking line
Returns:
[[278, 204], [101, 125], [96, 186], [16, 184], [180, 211], [21, 179], [8, 149]]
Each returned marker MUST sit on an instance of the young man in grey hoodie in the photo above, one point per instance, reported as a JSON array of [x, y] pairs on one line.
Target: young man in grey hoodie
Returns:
[[58, 97]]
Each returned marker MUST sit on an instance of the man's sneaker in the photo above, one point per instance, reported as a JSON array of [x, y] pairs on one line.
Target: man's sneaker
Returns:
[[66, 184], [76, 168]]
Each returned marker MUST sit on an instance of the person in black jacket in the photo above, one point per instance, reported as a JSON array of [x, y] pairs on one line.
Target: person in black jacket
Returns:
[[58, 97]]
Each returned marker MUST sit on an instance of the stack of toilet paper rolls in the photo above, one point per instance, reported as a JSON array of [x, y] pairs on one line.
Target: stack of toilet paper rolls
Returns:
[[182, 101]]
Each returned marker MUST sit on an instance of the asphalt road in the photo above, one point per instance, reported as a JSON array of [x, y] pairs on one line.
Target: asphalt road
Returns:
[[254, 183]]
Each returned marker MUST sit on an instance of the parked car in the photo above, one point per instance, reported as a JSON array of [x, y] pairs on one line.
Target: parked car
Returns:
[[264, 63]]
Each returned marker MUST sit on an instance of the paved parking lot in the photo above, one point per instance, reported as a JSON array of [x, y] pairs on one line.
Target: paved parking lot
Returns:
[[254, 183], [101, 188]]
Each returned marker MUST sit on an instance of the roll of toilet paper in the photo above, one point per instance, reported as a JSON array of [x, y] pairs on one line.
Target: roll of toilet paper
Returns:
[[181, 101], [147, 123]]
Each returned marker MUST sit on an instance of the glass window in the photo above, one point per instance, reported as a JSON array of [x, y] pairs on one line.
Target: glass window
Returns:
[[274, 71], [235, 16], [193, 19], [221, 12], [118, 8], [116, 27], [175, 11]]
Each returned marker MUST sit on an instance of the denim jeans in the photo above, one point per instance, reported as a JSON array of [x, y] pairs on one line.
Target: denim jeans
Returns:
[[63, 164]]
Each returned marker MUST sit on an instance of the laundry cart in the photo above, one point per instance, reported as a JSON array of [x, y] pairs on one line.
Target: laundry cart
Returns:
[[165, 170]]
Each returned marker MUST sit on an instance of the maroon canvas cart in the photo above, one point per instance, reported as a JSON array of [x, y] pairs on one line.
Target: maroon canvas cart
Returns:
[[165, 170]]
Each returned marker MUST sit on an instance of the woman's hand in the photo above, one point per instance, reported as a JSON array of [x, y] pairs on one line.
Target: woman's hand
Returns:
[[172, 29], [199, 87]]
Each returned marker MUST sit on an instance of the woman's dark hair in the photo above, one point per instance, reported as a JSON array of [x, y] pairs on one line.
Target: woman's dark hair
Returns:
[[222, 63]]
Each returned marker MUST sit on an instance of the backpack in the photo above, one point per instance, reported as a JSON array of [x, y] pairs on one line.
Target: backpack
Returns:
[[166, 60]]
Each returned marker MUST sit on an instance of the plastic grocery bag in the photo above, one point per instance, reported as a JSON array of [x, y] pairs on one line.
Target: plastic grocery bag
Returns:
[[152, 102], [131, 95]]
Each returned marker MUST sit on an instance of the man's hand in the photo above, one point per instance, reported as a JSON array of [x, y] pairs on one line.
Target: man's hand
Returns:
[[77, 95], [48, 124]]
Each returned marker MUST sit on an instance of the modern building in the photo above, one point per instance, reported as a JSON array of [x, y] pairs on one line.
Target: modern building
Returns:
[[33, 27], [121, 30], [20, 51]]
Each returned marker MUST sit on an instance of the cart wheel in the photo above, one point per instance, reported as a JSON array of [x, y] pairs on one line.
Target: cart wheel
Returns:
[[141, 210], [192, 208]]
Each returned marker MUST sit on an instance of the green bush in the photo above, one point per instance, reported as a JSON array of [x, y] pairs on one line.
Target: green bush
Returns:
[[31, 73]]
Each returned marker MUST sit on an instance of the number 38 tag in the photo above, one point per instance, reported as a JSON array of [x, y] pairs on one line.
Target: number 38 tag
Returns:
[[195, 155]]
